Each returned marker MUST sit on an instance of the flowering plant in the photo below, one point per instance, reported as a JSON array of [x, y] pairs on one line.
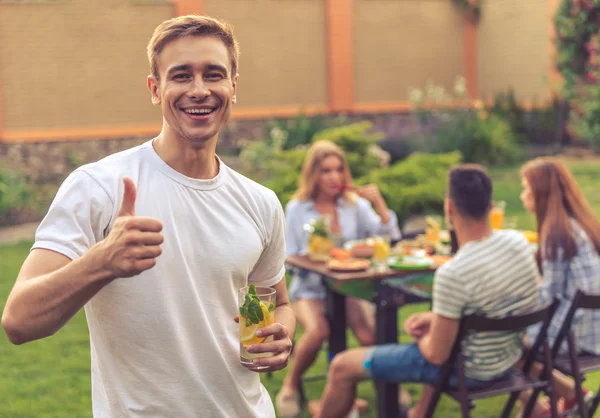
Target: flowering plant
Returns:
[[577, 24]]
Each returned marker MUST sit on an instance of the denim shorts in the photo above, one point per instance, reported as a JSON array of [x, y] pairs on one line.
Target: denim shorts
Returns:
[[307, 285], [403, 363]]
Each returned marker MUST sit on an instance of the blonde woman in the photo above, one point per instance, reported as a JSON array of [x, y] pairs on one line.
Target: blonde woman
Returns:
[[325, 190]]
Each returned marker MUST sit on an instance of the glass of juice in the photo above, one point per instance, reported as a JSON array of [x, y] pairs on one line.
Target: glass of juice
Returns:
[[434, 226], [257, 310], [497, 215], [381, 252]]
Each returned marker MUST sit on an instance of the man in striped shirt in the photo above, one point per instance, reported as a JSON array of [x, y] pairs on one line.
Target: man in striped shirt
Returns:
[[493, 274]]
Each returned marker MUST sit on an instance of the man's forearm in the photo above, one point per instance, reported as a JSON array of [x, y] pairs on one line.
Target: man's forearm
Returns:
[[284, 314], [425, 348], [39, 306]]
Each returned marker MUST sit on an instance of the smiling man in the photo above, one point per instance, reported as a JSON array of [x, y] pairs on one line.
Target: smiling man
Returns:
[[155, 242]]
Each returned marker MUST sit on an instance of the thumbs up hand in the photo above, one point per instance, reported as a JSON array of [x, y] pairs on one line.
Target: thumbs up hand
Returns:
[[133, 244], [129, 195]]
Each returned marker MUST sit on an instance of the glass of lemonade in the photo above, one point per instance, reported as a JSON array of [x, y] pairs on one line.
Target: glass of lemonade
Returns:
[[257, 310], [381, 252]]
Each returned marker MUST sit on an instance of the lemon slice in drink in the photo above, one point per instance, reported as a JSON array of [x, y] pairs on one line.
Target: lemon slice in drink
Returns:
[[248, 334]]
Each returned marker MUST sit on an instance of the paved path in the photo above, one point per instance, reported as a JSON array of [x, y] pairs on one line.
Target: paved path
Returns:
[[14, 234]]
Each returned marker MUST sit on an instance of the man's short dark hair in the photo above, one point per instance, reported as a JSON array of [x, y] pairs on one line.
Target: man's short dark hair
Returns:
[[470, 188]]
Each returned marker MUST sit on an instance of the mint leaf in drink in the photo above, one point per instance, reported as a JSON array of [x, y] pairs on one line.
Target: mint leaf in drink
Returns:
[[251, 310], [319, 228], [272, 307], [259, 312], [252, 316]]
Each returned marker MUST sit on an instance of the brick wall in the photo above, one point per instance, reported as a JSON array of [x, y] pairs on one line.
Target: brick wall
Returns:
[[77, 63], [514, 48], [404, 44]]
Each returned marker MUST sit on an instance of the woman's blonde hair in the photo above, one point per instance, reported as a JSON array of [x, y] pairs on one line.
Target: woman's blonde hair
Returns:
[[308, 181]]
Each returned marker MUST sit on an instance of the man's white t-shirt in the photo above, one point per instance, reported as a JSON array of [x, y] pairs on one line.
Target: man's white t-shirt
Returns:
[[164, 343]]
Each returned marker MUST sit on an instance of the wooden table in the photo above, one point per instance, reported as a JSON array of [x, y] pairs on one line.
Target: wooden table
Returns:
[[387, 299]]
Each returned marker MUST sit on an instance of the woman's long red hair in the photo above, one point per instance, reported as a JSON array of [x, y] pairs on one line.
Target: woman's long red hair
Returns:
[[558, 198]]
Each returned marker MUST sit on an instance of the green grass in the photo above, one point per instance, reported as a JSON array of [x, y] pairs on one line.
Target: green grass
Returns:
[[48, 378], [51, 378]]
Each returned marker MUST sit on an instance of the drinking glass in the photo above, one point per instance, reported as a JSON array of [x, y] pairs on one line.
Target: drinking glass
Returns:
[[381, 252], [257, 310], [497, 214]]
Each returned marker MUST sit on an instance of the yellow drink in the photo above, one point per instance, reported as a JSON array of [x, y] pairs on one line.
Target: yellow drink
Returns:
[[381, 253], [381, 250], [319, 247], [432, 232], [497, 218], [257, 311], [432, 235]]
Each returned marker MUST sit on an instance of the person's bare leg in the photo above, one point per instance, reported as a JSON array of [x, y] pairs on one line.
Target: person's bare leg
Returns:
[[418, 411], [361, 319], [540, 408], [360, 315], [310, 314], [560, 388], [563, 385], [345, 371]]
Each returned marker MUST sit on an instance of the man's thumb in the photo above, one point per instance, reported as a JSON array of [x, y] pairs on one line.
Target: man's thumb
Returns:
[[128, 205]]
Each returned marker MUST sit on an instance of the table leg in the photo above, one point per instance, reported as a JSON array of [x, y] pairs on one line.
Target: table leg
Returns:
[[386, 331], [337, 323]]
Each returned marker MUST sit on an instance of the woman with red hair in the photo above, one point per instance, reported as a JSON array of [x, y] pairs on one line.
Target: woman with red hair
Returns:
[[568, 255]]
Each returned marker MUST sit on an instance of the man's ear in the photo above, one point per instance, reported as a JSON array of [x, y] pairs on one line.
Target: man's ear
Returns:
[[449, 210], [154, 87], [234, 83]]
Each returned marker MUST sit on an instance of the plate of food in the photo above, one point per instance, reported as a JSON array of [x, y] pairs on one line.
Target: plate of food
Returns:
[[440, 260], [339, 253], [349, 264], [411, 263], [360, 248]]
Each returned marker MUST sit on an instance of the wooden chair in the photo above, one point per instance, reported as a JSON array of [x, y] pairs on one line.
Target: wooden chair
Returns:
[[573, 364], [516, 381]]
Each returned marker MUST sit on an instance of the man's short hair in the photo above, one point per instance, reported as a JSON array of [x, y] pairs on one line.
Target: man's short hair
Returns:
[[470, 188], [191, 25]]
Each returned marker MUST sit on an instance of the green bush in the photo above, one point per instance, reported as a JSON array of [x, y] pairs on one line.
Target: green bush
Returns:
[[538, 125], [302, 129], [484, 138], [416, 185], [15, 192], [586, 118], [284, 171], [360, 146], [506, 107]]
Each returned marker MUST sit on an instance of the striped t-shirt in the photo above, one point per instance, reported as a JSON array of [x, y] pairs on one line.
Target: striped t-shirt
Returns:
[[493, 277]]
